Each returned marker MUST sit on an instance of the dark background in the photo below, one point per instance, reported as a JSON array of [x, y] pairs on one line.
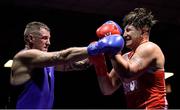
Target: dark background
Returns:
[[73, 23]]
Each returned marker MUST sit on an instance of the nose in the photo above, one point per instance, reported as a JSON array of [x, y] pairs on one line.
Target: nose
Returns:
[[124, 34], [48, 42]]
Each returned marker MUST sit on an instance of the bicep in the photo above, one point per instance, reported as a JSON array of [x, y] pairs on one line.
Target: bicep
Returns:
[[35, 58], [140, 61], [137, 63]]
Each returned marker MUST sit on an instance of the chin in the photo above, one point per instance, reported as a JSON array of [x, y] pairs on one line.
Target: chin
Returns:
[[45, 50], [128, 43], [128, 46]]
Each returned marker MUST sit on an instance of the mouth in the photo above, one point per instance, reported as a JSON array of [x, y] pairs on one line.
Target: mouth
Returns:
[[127, 38], [45, 48]]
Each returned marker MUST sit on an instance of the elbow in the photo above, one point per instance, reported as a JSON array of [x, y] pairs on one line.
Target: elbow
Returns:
[[107, 93], [13, 82], [127, 75], [129, 72]]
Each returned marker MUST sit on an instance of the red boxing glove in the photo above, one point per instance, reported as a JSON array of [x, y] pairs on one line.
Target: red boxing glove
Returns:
[[108, 28], [99, 63]]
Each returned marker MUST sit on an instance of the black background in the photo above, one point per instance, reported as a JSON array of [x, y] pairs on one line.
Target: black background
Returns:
[[70, 28]]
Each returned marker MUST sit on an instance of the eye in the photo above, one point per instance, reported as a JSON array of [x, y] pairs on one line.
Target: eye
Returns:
[[127, 29], [45, 37]]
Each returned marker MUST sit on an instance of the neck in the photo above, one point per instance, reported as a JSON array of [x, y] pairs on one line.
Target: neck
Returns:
[[144, 40], [27, 47]]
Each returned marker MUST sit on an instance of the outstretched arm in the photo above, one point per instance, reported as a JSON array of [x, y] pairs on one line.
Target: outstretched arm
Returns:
[[26, 60], [74, 66], [36, 58]]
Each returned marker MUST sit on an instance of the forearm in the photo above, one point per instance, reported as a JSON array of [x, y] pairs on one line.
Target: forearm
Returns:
[[41, 59], [107, 85], [106, 80], [74, 66], [81, 65], [73, 54], [121, 66]]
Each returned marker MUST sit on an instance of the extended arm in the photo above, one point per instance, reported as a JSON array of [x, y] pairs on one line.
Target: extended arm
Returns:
[[36, 58], [26, 60], [74, 66]]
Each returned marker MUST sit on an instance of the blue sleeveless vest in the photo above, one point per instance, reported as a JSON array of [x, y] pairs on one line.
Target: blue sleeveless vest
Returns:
[[39, 91]]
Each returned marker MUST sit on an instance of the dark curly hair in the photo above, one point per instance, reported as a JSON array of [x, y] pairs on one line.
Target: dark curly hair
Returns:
[[139, 18]]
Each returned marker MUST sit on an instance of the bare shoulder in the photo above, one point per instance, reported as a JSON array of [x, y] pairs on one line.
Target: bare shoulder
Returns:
[[27, 53], [149, 48], [152, 51], [21, 67], [27, 57]]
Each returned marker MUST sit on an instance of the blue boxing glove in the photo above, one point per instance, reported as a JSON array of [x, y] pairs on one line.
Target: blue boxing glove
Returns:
[[111, 44]]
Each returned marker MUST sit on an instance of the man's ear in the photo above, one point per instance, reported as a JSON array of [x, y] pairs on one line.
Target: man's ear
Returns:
[[30, 38]]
